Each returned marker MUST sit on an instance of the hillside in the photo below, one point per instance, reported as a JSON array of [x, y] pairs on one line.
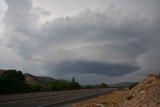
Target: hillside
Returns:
[[33, 79], [37, 79], [145, 94]]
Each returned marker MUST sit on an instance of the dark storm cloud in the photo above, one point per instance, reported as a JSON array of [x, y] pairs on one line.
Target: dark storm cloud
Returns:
[[88, 67], [108, 42]]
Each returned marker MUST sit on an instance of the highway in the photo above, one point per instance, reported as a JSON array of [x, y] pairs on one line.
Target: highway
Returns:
[[51, 99]]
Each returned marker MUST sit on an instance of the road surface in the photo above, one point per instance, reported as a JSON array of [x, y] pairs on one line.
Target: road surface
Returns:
[[51, 99]]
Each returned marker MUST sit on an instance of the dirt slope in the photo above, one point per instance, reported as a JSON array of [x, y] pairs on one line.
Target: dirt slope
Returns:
[[145, 94]]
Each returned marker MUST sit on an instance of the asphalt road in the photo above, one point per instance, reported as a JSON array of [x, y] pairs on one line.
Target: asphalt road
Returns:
[[51, 99]]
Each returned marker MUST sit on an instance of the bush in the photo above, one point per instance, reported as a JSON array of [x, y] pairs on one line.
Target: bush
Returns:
[[129, 97], [35, 87], [133, 85], [62, 85], [103, 85]]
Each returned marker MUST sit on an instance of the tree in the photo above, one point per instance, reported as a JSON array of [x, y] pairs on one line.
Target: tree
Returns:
[[12, 81], [74, 84], [62, 85], [73, 80], [35, 87]]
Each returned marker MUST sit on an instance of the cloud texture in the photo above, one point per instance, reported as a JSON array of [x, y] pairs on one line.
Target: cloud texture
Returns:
[[109, 42]]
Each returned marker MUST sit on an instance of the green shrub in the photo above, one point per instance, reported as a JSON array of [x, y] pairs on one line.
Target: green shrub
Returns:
[[35, 87], [132, 85], [129, 97], [62, 85]]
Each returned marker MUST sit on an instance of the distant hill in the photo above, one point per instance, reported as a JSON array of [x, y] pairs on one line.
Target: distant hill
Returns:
[[121, 85], [34, 79], [37, 79]]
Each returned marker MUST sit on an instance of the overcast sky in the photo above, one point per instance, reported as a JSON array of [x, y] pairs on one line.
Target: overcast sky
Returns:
[[93, 40]]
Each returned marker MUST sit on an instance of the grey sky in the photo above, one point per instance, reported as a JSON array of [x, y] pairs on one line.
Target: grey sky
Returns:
[[72, 7], [93, 40]]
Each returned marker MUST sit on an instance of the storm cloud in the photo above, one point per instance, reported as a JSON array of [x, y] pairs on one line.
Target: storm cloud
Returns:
[[79, 66], [110, 41]]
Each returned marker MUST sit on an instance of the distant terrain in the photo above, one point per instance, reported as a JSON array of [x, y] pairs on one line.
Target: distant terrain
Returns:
[[144, 94], [14, 82], [37, 79], [34, 79], [121, 85]]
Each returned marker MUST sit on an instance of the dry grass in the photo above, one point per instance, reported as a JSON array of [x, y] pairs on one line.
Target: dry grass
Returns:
[[109, 99]]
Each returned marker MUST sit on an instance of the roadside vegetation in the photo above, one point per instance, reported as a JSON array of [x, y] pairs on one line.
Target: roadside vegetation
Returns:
[[132, 85], [57, 85], [14, 82], [102, 85], [129, 97]]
